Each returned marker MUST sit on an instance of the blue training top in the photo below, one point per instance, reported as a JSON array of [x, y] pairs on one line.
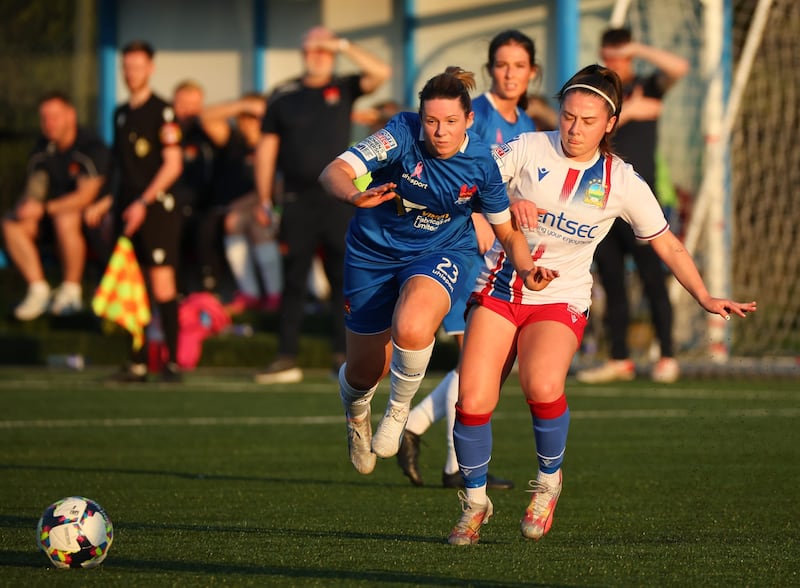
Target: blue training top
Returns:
[[436, 196], [492, 127]]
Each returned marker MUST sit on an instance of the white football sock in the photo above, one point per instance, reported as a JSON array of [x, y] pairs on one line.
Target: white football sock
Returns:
[[268, 260], [431, 408], [237, 252], [355, 402], [407, 370], [451, 463], [318, 283], [549, 479], [477, 495]]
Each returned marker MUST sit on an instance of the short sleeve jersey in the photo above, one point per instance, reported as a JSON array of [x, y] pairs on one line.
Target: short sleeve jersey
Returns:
[[435, 196], [314, 127], [139, 136], [582, 200], [88, 157], [490, 125]]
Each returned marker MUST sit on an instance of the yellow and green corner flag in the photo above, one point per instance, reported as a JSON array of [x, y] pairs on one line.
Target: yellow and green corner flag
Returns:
[[121, 296]]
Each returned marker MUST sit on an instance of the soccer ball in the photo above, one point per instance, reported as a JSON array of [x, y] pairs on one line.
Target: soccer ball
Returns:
[[75, 532]]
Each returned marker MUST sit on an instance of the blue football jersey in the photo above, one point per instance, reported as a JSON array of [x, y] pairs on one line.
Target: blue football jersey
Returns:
[[435, 196], [492, 128]]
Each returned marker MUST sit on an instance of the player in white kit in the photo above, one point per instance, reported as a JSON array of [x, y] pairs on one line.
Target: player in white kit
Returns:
[[566, 189]]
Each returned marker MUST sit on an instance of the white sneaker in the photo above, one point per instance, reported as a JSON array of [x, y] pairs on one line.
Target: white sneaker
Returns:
[[386, 440], [35, 302], [666, 371], [67, 299], [611, 371], [283, 370], [359, 435]]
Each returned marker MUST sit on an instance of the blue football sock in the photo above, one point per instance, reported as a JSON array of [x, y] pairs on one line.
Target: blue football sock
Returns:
[[550, 428], [473, 448]]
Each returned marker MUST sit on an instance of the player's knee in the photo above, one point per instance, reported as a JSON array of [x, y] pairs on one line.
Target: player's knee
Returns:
[[541, 388], [412, 333], [362, 376]]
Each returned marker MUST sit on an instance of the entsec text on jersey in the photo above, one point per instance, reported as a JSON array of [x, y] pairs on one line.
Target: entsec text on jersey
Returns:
[[567, 226]]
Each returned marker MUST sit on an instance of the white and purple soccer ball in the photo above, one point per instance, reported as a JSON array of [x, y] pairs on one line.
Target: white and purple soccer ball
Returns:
[[75, 532]]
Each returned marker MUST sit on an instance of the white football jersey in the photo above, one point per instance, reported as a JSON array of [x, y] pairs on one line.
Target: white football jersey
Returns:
[[582, 200]]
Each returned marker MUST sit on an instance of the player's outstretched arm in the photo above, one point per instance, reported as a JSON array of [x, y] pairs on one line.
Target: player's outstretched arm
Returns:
[[725, 308], [337, 179], [672, 252]]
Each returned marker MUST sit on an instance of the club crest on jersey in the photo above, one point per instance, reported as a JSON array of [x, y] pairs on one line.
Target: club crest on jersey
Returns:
[[141, 147], [331, 95], [190, 152], [595, 194], [74, 169], [465, 194]]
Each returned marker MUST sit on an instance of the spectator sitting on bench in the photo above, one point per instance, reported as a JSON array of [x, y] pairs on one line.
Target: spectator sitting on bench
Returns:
[[66, 172]]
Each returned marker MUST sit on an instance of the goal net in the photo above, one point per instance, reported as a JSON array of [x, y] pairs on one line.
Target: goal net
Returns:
[[749, 237]]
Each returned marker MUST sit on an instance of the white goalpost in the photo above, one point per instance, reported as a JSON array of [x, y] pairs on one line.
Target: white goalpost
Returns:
[[731, 153], [711, 209]]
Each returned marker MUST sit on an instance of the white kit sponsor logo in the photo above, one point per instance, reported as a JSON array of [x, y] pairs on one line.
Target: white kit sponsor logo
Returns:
[[428, 221]]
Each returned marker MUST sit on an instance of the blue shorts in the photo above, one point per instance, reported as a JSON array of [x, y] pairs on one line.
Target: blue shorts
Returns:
[[455, 320], [372, 288]]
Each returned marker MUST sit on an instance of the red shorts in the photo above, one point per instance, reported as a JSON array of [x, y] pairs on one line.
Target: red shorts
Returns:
[[520, 315]]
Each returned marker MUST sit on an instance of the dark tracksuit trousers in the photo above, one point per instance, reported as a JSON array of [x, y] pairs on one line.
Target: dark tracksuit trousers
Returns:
[[312, 221], [610, 260]]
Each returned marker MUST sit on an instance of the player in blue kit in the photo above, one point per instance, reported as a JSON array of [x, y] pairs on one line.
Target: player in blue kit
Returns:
[[567, 189], [499, 116], [500, 111], [411, 248]]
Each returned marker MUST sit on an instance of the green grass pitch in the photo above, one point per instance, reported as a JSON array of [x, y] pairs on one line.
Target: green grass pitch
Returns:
[[221, 481]]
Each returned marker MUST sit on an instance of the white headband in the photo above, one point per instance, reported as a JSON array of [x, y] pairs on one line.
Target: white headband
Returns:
[[596, 91]]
